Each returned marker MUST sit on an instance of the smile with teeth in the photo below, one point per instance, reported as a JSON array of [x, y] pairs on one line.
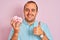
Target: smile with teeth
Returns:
[[29, 15]]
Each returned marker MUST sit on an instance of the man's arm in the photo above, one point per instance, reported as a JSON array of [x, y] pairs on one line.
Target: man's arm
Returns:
[[15, 36], [42, 30], [16, 25], [47, 34], [44, 36]]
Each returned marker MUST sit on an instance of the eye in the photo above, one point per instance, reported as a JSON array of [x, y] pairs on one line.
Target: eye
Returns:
[[33, 10], [26, 9]]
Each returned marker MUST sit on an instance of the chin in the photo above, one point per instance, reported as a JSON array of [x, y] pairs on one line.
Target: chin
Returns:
[[30, 20]]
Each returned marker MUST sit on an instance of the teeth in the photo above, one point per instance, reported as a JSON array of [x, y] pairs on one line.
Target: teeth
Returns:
[[29, 15]]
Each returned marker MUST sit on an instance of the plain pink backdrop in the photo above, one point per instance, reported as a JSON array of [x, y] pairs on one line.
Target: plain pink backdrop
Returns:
[[49, 12]]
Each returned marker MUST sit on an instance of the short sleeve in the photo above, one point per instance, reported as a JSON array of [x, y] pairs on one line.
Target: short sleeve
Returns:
[[10, 35], [47, 32]]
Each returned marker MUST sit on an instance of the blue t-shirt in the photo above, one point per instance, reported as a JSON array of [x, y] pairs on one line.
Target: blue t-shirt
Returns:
[[26, 31]]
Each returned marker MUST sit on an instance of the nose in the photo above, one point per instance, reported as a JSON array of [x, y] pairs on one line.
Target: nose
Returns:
[[30, 11]]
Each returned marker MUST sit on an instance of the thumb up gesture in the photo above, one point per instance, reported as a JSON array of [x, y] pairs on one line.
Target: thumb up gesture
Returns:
[[37, 30]]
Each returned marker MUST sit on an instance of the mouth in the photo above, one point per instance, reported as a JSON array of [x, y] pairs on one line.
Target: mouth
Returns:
[[30, 15]]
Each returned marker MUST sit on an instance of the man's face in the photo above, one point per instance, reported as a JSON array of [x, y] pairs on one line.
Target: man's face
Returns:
[[30, 12]]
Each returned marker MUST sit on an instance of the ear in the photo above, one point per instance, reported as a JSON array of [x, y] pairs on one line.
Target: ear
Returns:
[[36, 12]]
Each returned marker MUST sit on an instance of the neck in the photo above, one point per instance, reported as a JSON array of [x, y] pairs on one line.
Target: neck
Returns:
[[30, 22]]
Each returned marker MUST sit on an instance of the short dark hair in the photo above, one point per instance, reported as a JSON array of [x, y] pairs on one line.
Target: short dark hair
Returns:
[[31, 2]]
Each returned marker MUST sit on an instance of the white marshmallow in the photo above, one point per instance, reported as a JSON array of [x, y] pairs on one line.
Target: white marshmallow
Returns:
[[16, 18]]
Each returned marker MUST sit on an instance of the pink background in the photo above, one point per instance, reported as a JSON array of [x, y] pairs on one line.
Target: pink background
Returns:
[[49, 12]]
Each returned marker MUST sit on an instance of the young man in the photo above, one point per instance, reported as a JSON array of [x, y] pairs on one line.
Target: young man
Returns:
[[29, 29]]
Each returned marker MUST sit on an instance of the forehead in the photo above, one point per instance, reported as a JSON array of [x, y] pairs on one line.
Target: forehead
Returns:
[[30, 5]]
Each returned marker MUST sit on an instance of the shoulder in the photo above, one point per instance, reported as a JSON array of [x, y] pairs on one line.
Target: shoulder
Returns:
[[44, 26]]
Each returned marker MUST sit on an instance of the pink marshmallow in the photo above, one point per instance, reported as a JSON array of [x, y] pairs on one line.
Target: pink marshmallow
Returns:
[[19, 19], [16, 18]]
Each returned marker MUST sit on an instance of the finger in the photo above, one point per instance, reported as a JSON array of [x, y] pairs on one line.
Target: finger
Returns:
[[11, 22], [14, 24], [17, 24], [35, 32], [35, 29]]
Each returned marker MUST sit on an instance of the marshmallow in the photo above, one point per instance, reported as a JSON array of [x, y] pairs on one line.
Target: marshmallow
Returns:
[[16, 18]]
